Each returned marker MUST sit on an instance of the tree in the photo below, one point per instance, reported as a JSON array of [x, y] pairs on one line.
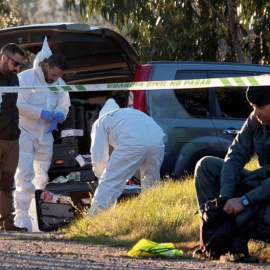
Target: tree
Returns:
[[204, 30], [9, 16], [45, 11]]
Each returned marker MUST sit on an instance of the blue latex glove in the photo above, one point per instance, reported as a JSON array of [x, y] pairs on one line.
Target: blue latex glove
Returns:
[[47, 116], [53, 126], [59, 117]]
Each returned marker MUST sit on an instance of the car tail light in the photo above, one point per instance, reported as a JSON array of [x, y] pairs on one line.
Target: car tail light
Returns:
[[142, 74], [59, 161]]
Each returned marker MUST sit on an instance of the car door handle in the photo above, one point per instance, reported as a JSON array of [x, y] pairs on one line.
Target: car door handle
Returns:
[[232, 132]]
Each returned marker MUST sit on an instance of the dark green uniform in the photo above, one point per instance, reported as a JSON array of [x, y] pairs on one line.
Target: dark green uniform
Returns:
[[216, 177]]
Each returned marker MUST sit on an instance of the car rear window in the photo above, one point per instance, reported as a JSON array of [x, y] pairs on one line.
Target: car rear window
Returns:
[[232, 102], [194, 100]]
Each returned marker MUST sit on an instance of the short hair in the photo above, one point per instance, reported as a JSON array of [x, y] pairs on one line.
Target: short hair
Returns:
[[57, 60], [120, 97], [12, 48]]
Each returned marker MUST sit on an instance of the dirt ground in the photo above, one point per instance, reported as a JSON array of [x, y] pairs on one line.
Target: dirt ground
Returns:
[[53, 251]]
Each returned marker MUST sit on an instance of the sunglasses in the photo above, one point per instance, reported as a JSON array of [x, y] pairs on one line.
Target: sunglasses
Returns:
[[15, 63]]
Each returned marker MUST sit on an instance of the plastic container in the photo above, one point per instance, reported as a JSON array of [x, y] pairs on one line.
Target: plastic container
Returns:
[[48, 196]]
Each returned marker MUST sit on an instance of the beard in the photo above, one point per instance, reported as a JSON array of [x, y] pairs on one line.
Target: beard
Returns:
[[46, 77], [6, 69]]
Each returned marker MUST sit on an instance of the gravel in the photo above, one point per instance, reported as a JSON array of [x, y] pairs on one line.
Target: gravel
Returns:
[[54, 251]]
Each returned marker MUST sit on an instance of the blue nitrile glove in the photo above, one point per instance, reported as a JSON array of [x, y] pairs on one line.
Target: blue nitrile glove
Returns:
[[53, 126], [47, 116], [59, 117]]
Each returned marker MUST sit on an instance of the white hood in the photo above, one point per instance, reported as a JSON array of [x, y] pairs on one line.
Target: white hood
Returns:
[[44, 53], [109, 106]]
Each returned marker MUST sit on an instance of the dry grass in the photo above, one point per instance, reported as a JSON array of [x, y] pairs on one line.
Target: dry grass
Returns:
[[162, 214]]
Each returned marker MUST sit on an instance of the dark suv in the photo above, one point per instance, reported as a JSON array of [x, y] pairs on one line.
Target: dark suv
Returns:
[[197, 122]]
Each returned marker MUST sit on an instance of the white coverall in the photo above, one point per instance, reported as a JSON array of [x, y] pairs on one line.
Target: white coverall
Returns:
[[138, 144], [36, 146]]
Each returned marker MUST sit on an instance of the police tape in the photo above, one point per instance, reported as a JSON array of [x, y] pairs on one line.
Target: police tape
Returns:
[[262, 80]]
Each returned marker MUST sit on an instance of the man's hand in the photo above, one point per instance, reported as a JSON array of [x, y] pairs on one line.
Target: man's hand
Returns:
[[53, 126], [233, 206], [47, 116], [59, 117]]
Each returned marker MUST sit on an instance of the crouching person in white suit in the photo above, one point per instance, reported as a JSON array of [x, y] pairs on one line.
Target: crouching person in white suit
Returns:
[[40, 112], [138, 143]]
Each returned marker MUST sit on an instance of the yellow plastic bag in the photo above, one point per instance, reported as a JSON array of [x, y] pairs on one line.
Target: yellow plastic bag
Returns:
[[147, 248]]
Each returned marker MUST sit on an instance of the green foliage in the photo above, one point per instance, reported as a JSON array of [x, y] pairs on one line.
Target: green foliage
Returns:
[[9, 16], [45, 11], [189, 29]]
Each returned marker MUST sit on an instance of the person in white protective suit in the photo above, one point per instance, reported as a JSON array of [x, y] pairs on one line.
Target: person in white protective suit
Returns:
[[39, 112], [137, 143]]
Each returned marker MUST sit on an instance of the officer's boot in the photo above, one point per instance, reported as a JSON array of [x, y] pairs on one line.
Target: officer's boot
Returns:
[[6, 217]]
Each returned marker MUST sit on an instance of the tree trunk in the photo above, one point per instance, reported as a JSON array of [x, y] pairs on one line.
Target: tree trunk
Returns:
[[233, 32]]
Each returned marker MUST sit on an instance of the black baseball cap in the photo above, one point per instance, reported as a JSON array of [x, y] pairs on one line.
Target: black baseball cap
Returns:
[[258, 95]]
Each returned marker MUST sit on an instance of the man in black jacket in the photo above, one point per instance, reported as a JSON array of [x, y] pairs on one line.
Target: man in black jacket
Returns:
[[11, 57]]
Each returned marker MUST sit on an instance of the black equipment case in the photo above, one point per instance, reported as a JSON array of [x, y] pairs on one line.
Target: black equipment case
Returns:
[[52, 215]]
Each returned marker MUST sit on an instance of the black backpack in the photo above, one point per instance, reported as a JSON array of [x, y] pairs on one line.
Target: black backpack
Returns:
[[217, 231]]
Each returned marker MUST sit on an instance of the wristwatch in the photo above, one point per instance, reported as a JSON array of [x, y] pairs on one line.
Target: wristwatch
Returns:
[[245, 200]]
